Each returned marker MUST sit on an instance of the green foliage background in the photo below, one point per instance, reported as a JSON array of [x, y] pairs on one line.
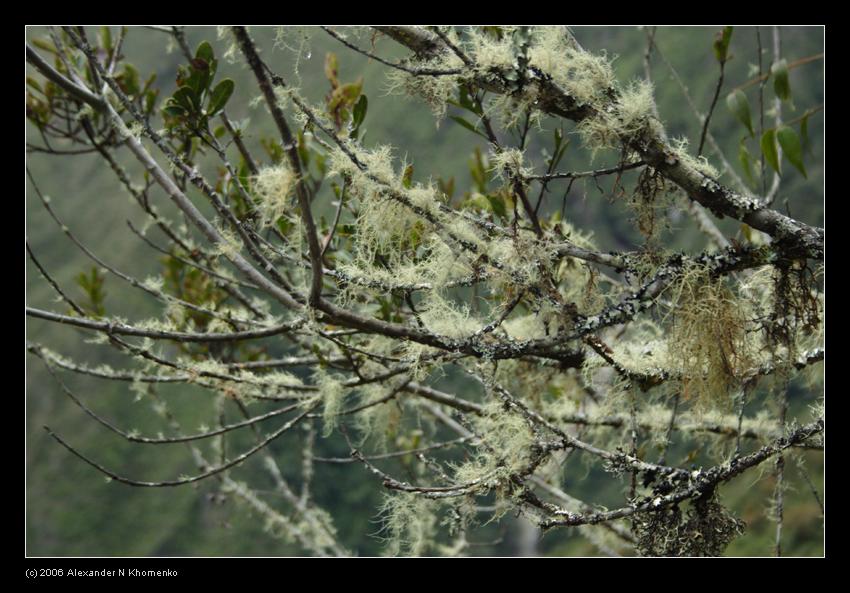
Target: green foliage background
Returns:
[[72, 511]]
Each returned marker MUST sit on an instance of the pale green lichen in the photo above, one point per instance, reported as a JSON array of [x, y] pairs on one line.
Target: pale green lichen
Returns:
[[521, 259], [274, 187], [509, 164], [418, 357], [153, 283], [230, 244], [436, 267], [409, 522], [331, 393], [446, 318], [505, 448], [402, 236], [377, 420], [578, 283], [615, 124], [511, 111], [434, 90], [460, 229], [296, 40], [679, 147], [708, 342], [85, 112], [378, 168], [490, 51], [231, 52], [584, 76], [545, 321]]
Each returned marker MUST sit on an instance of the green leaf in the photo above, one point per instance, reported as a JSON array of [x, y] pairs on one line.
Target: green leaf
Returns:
[[360, 109], [781, 86], [303, 149], [34, 84], [740, 107], [467, 125], [332, 69], [804, 132], [791, 147], [198, 81], [150, 100], [106, 38], [407, 176], [498, 206], [746, 161], [199, 64], [465, 100], [321, 164], [768, 149], [559, 149], [92, 285], [342, 98], [479, 201], [185, 97], [45, 45], [149, 83], [721, 44], [130, 80], [220, 95], [351, 91], [174, 110], [447, 188], [478, 170], [204, 52], [212, 67]]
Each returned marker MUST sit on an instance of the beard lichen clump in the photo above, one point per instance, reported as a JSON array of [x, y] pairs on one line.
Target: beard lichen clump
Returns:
[[708, 344], [381, 414], [679, 148], [516, 57], [409, 522], [402, 237], [443, 317], [590, 81], [505, 449], [388, 211], [436, 90], [615, 123], [332, 394], [509, 164], [584, 76], [273, 187]]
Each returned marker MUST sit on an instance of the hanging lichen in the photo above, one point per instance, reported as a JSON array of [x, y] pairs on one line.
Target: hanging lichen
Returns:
[[795, 312], [708, 344], [274, 189], [409, 522], [647, 202], [331, 394]]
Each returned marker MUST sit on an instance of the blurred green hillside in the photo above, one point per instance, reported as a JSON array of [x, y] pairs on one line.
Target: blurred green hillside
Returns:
[[72, 511]]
